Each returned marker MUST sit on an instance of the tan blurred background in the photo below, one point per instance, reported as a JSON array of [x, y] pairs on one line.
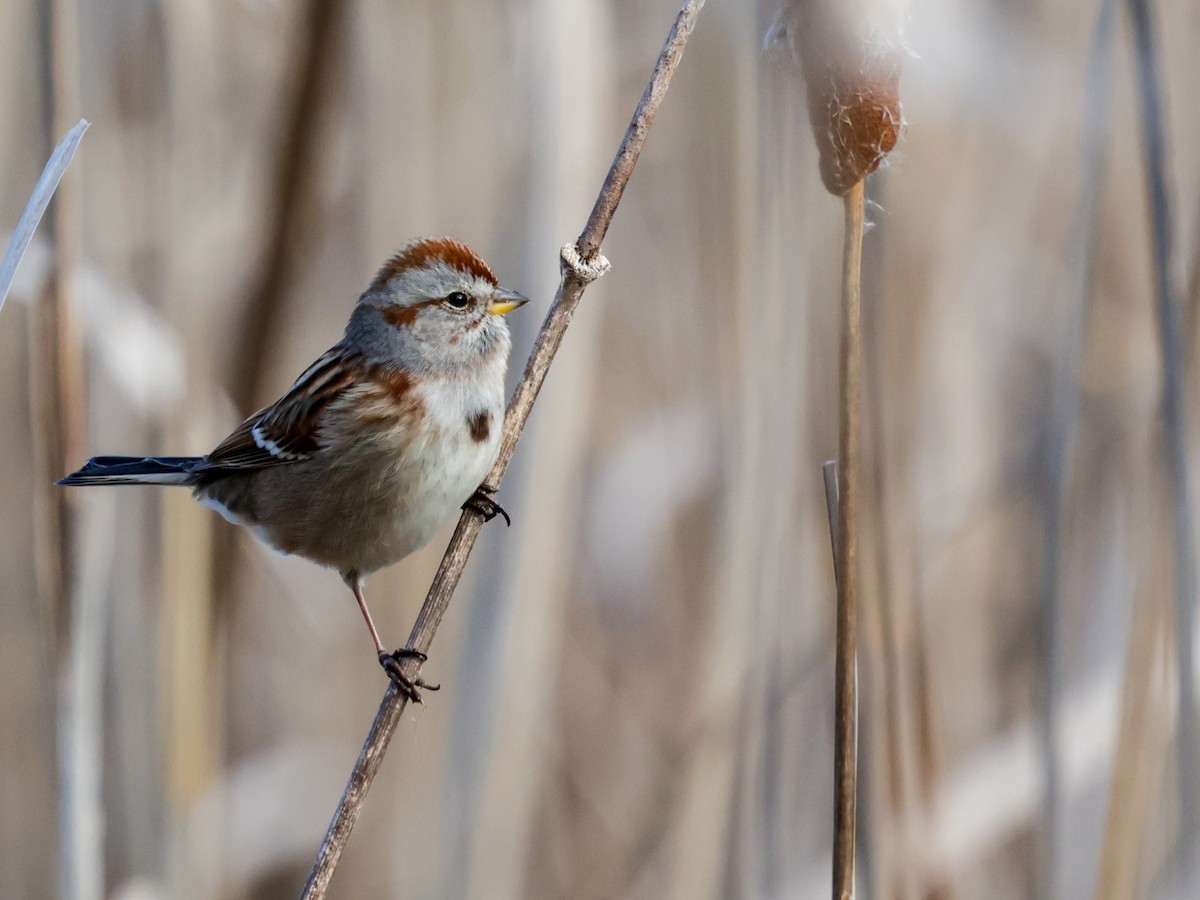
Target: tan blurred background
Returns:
[[637, 676]]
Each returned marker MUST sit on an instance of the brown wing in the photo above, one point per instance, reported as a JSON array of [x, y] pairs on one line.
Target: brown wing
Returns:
[[286, 431]]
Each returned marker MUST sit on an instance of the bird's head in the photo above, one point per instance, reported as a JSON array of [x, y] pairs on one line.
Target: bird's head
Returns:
[[433, 308]]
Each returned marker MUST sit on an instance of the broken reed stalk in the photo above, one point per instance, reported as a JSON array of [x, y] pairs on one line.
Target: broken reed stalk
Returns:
[[52, 174], [829, 476], [846, 702], [846, 692], [845, 761], [581, 263]]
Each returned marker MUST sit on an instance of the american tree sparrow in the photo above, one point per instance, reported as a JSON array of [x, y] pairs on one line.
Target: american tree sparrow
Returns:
[[379, 441]]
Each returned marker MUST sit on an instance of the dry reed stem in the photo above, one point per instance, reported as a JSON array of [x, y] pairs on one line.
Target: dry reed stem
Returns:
[[1174, 422], [291, 197], [849, 442], [56, 374], [73, 599], [889, 614], [46, 185], [291, 212], [47, 548], [1062, 420], [1141, 740], [1191, 329], [581, 264]]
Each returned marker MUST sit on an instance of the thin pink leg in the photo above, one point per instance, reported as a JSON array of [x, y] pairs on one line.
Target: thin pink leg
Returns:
[[356, 585], [389, 661]]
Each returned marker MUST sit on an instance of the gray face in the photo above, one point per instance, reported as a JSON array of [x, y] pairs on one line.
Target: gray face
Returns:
[[432, 319]]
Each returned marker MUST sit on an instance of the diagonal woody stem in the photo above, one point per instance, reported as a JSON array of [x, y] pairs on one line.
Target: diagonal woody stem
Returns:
[[581, 264]]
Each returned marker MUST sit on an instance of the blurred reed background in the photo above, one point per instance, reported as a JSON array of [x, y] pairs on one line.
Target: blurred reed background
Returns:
[[637, 675]]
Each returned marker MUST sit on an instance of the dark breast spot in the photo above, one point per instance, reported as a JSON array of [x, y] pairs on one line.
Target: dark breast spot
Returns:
[[480, 425]]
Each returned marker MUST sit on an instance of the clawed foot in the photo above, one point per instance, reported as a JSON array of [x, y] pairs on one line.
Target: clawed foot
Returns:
[[481, 501], [408, 686]]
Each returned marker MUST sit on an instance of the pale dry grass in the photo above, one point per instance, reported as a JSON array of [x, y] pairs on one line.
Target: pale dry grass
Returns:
[[638, 675]]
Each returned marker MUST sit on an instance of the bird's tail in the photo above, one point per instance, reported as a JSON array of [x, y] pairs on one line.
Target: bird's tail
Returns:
[[135, 470]]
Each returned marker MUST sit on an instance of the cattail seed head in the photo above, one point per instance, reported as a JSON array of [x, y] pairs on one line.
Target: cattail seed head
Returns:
[[851, 54]]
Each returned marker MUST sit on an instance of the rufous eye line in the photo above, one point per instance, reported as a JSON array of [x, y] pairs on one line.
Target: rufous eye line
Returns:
[[404, 316]]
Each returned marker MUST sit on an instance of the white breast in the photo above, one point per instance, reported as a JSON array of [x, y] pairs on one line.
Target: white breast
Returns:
[[464, 460], [434, 474]]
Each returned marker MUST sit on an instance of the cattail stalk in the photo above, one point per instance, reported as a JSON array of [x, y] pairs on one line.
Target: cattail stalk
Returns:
[[73, 598], [846, 558], [1174, 410], [850, 52]]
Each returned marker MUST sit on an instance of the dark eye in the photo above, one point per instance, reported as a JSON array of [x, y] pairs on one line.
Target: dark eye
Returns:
[[458, 300]]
